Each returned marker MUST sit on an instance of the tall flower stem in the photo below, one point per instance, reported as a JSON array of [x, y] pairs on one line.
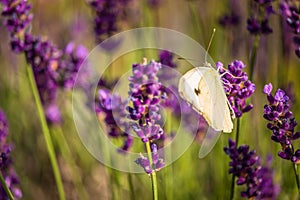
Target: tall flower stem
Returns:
[[153, 174], [46, 133], [232, 187], [253, 56], [237, 136], [297, 178], [7, 190]]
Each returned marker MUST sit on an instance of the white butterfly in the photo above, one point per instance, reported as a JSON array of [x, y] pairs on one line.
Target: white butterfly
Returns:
[[202, 88]]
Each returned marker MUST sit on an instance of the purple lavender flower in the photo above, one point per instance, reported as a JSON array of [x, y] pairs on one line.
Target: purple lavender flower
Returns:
[[53, 114], [6, 168], [157, 163], [107, 15], [258, 22], [291, 14], [245, 165], [166, 58], [148, 132], [18, 19], [145, 98], [237, 86], [112, 109], [233, 17], [145, 93], [70, 65], [281, 122], [50, 69], [44, 58]]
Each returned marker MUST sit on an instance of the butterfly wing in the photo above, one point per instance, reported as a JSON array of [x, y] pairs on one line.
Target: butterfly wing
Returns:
[[209, 141], [187, 85], [203, 89], [213, 101]]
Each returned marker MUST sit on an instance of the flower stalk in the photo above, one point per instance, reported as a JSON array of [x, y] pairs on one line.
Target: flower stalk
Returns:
[[46, 133], [153, 174], [295, 167], [7, 190]]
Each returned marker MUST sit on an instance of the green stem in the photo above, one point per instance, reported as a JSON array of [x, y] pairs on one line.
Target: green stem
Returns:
[[232, 187], [297, 178], [7, 190], [237, 136], [253, 56], [153, 174], [46, 133]]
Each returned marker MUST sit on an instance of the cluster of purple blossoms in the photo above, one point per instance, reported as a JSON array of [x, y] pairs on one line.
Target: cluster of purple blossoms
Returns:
[[166, 75], [18, 19], [44, 58], [166, 58], [281, 122], [112, 109], [50, 70], [107, 14], [233, 18], [145, 95], [157, 163], [258, 22], [291, 13], [70, 65], [6, 168], [237, 86], [245, 165]]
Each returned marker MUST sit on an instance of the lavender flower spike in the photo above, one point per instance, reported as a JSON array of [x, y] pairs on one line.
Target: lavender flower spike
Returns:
[[112, 109], [290, 12], [238, 87], [258, 22], [281, 122], [18, 19], [6, 168], [246, 167], [107, 14], [145, 96]]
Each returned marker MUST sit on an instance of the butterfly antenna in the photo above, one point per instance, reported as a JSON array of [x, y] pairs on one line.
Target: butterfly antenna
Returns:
[[211, 38]]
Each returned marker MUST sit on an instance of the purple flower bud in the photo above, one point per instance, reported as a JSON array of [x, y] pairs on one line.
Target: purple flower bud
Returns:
[[268, 88], [53, 114], [144, 162]]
